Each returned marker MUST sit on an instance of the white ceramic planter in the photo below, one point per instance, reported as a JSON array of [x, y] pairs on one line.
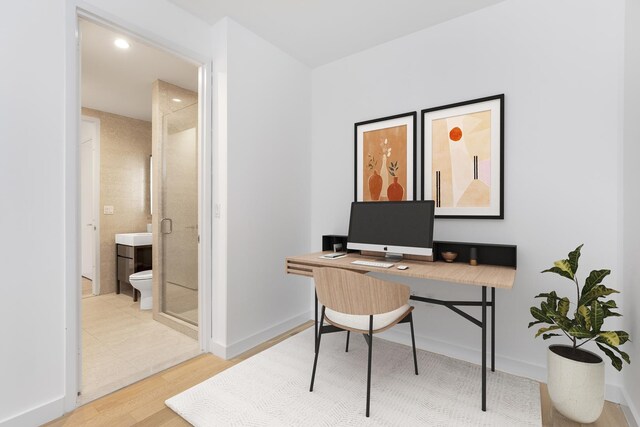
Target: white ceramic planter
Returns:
[[576, 388]]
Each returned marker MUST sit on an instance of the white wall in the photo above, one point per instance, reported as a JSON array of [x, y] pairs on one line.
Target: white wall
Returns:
[[39, 255], [559, 65], [268, 189], [631, 212], [32, 188]]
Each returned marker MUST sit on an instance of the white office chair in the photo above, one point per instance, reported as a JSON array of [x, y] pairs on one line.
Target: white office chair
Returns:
[[354, 302]]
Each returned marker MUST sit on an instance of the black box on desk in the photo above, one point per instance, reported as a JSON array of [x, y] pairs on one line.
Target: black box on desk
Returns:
[[332, 239]]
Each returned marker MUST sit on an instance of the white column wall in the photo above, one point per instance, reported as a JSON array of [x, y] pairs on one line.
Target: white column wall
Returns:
[[631, 201], [559, 65], [219, 139], [268, 188]]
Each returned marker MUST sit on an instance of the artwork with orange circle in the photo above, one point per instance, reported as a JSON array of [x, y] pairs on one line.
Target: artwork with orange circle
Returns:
[[461, 160]]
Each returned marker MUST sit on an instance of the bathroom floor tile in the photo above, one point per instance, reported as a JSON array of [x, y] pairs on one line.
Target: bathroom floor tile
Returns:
[[121, 300], [134, 310], [87, 288], [122, 344]]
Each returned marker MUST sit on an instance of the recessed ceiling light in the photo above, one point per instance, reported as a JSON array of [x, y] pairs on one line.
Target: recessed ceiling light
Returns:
[[176, 99], [121, 43]]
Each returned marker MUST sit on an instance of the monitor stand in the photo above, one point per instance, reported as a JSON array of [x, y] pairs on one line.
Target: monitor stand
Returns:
[[393, 257]]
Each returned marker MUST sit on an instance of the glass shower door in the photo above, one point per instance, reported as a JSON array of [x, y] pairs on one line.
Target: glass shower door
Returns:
[[179, 216]]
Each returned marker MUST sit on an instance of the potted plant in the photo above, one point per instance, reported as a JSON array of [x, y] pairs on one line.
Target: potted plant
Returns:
[[575, 376]]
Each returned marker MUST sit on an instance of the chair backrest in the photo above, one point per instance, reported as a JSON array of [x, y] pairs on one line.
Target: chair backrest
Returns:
[[355, 293]]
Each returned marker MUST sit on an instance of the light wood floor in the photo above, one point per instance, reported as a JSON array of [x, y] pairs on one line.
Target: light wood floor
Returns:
[[142, 403], [612, 415]]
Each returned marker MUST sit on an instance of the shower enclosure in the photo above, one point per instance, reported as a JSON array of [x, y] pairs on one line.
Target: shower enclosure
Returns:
[[175, 214]]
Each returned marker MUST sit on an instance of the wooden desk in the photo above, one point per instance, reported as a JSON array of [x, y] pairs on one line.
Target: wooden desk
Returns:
[[482, 276]]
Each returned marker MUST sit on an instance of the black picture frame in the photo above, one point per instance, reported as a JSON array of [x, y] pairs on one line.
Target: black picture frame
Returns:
[[484, 178], [366, 135]]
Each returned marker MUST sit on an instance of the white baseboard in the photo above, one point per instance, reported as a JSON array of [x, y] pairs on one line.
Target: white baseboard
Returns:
[[519, 368], [630, 410], [613, 393], [36, 416], [239, 347], [218, 349]]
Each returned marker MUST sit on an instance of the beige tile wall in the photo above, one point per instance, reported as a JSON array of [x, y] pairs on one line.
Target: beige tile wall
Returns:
[[125, 147]]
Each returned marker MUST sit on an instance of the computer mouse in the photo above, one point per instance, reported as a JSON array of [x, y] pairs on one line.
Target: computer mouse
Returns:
[[402, 267]]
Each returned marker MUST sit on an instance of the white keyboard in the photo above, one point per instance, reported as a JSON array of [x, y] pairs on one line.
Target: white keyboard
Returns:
[[373, 263]]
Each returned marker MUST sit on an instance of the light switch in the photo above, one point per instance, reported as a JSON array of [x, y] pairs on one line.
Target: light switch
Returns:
[[108, 210]]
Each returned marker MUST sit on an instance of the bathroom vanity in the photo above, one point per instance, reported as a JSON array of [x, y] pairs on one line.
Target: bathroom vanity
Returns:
[[133, 254]]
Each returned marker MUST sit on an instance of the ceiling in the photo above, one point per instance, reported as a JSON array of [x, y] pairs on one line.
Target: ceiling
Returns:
[[317, 32], [119, 81]]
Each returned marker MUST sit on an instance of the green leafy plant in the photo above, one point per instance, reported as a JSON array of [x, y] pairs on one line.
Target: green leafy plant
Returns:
[[589, 311], [372, 162], [393, 168]]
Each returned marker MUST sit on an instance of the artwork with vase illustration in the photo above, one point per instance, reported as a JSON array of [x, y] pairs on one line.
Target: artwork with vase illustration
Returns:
[[385, 159], [462, 158]]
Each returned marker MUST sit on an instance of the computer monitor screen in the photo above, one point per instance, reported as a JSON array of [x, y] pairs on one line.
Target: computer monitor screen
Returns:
[[392, 227]]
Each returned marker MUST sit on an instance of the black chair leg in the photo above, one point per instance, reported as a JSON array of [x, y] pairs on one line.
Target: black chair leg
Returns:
[[346, 350], [413, 343], [369, 364], [315, 359]]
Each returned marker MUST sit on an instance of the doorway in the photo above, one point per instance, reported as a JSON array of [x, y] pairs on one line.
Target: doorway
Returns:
[[121, 341]]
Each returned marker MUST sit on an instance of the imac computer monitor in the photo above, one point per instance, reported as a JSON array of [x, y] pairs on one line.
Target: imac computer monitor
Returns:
[[395, 228]]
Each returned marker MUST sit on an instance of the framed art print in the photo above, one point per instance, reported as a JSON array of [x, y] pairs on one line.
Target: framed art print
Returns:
[[463, 158], [385, 161]]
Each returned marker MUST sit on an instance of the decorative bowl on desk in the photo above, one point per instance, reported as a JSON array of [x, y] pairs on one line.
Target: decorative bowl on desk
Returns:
[[449, 256]]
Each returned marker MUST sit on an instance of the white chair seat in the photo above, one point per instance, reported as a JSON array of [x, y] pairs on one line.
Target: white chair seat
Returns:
[[361, 321]]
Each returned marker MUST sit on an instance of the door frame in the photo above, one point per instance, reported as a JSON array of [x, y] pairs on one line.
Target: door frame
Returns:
[[76, 10], [95, 285]]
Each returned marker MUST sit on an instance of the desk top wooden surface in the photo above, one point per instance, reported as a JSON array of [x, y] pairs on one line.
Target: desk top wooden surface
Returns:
[[479, 275]]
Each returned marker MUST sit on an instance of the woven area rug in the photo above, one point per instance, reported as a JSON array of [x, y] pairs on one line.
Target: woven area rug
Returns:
[[272, 389]]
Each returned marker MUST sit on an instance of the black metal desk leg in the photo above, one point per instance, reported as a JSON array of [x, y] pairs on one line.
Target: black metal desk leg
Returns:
[[484, 348], [315, 326], [493, 329]]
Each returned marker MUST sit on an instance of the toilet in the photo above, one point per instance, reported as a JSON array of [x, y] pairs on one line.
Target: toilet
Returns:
[[142, 281]]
